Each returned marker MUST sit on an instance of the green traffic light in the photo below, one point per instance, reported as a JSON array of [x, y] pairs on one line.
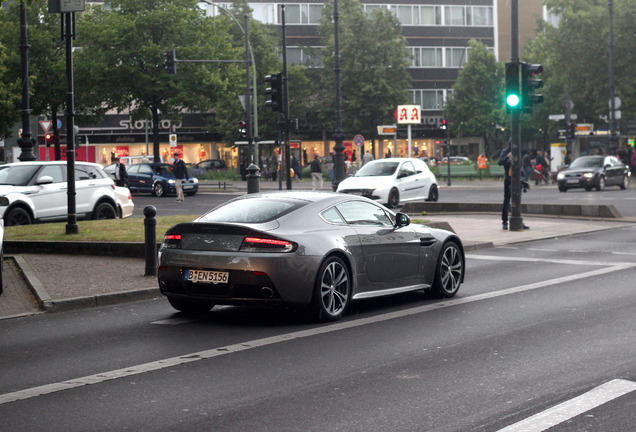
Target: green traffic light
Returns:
[[512, 100]]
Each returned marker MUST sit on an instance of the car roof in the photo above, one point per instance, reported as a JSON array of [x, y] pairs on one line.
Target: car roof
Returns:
[[57, 162]]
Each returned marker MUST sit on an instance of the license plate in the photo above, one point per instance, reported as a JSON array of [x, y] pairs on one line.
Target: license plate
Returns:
[[573, 181], [207, 276], [187, 186]]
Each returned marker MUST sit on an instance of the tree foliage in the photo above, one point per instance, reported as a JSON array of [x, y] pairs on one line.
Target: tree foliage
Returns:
[[373, 59]]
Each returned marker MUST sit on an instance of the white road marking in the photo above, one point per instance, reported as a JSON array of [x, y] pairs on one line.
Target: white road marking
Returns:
[[174, 321], [244, 346], [547, 260], [574, 407]]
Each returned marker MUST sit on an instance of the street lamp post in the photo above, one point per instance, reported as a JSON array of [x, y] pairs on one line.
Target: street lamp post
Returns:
[[338, 167], [25, 141]]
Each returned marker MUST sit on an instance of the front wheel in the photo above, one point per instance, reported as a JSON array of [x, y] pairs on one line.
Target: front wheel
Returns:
[[433, 193], [601, 184], [104, 210], [625, 183], [449, 272], [562, 189], [189, 306], [157, 190], [331, 290], [17, 216], [394, 198]]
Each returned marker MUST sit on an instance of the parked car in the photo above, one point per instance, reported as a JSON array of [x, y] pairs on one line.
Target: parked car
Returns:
[[37, 192], [312, 249], [456, 160], [211, 165], [595, 171], [125, 204], [393, 181], [157, 179]]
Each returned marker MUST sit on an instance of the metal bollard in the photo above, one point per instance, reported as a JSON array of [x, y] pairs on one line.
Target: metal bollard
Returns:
[[150, 230], [253, 177]]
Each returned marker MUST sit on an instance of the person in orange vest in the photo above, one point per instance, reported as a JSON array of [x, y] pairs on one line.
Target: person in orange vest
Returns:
[[482, 163]]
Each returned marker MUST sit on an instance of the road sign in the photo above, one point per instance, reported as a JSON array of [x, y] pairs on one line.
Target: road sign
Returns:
[[408, 114], [46, 125], [387, 130], [358, 140], [173, 140]]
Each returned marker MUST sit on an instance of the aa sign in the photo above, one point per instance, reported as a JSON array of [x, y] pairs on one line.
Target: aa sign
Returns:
[[408, 114]]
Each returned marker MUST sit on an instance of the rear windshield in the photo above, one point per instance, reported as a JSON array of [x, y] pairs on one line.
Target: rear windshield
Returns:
[[257, 210]]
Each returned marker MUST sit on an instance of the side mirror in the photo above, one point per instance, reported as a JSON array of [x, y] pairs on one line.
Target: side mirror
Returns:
[[402, 219], [44, 180]]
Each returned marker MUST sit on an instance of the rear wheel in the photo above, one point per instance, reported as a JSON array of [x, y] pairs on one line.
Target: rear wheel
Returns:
[[433, 193], [331, 290], [562, 188], [625, 183], [17, 216], [394, 198], [157, 190], [189, 306], [449, 271], [104, 210]]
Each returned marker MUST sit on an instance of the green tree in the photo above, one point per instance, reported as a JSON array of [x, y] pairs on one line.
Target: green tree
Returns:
[[373, 59], [476, 104], [121, 63], [9, 97], [575, 55]]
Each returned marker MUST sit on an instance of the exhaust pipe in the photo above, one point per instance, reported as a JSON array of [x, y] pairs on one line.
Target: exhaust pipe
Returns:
[[267, 292]]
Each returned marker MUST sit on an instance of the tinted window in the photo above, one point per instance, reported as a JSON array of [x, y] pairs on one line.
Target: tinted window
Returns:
[[257, 210], [54, 171], [364, 213], [332, 216], [83, 173], [17, 175]]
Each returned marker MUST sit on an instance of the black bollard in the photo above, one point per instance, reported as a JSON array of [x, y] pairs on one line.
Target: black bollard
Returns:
[[150, 225], [253, 177]]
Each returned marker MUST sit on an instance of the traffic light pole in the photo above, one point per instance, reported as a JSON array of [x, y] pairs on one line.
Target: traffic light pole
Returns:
[[515, 220]]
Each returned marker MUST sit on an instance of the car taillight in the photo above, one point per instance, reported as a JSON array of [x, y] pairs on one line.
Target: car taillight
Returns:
[[258, 244], [172, 241]]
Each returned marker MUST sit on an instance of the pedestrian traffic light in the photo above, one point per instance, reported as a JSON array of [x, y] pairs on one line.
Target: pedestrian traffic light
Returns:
[[242, 130], [529, 83], [275, 92], [513, 96], [171, 64], [443, 124]]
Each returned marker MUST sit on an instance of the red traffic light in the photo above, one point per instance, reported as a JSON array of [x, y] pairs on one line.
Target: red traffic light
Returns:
[[48, 137]]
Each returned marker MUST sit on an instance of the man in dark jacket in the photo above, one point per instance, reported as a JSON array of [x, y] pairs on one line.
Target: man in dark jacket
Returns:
[[121, 175], [505, 159], [316, 173], [180, 172]]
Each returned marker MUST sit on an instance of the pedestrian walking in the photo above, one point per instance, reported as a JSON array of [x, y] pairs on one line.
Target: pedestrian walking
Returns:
[[121, 175], [180, 172], [316, 173], [633, 164], [526, 165], [295, 166]]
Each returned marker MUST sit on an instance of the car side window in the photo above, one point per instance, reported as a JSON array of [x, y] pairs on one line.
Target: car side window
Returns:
[[82, 173], [407, 169], [364, 213], [145, 169], [333, 216], [54, 171], [132, 169]]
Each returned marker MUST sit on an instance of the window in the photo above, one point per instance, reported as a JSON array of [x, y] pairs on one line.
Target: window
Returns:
[[309, 57], [428, 99], [263, 12], [332, 216], [454, 15], [364, 213], [426, 57], [430, 15], [54, 171], [456, 57], [479, 16], [302, 13], [258, 210], [406, 170]]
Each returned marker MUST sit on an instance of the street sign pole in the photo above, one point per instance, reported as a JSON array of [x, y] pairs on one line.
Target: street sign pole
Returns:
[[516, 221]]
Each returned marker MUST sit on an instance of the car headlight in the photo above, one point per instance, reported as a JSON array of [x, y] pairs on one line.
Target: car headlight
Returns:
[[171, 181], [588, 175], [560, 176], [194, 180]]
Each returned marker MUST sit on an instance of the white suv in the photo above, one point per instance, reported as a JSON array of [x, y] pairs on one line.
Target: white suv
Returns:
[[37, 192]]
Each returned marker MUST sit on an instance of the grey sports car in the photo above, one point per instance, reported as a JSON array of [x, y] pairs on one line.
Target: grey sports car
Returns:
[[318, 250]]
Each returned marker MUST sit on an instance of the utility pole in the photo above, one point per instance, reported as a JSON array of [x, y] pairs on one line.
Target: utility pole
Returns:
[[516, 221], [338, 166], [25, 141]]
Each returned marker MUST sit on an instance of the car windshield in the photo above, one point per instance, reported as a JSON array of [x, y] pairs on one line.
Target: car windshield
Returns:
[[258, 210], [594, 162], [17, 175], [163, 169], [379, 168]]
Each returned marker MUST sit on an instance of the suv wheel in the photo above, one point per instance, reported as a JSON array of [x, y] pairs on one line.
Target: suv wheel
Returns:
[[17, 216], [104, 210]]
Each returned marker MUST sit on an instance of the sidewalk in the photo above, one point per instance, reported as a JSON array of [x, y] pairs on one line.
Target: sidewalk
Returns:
[[35, 283]]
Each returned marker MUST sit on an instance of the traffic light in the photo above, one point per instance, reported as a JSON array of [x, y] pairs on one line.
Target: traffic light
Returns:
[[242, 130], [171, 64], [630, 142], [47, 139], [275, 92], [571, 131], [513, 96], [529, 83], [443, 124]]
